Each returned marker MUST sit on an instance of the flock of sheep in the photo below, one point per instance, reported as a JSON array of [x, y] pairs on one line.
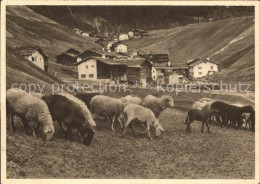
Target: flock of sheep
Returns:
[[234, 115], [72, 112]]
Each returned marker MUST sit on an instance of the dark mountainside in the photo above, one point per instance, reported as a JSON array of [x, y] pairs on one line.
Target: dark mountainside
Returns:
[[110, 20]]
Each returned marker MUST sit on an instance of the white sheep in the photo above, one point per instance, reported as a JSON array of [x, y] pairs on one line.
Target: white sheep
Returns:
[[143, 115], [198, 105], [157, 105], [111, 108], [133, 99], [29, 109]]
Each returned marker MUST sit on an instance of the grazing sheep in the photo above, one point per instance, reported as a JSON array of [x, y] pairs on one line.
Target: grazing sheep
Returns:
[[205, 99], [133, 99], [29, 109], [72, 113], [157, 105], [86, 97], [143, 115], [111, 108], [198, 105], [196, 115]]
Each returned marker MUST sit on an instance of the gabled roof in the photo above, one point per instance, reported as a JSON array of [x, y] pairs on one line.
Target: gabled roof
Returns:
[[139, 30], [71, 52], [197, 61], [112, 62], [28, 50]]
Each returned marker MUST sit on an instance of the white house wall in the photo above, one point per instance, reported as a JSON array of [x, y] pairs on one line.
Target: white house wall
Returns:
[[37, 59], [88, 68], [123, 37], [121, 48], [202, 69]]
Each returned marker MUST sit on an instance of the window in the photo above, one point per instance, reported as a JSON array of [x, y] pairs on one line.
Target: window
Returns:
[[199, 73], [86, 66], [32, 58], [83, 76], [92, 66], [199, 67], [91, 75], [211, 67], [35, 58]]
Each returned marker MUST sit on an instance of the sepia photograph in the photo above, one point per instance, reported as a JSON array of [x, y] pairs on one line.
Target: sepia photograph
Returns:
[[130, 90]]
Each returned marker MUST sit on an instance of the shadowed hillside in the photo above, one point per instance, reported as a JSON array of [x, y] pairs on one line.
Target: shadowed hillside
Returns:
[[25, 27]]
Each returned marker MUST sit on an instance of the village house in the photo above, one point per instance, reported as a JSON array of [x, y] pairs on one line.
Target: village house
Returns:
[[123, 36], [119, 47], [130, 34], [68, 57], [124, 70], [139, 33], [85, 34], [102, 42], [199, 68], [34, 54]]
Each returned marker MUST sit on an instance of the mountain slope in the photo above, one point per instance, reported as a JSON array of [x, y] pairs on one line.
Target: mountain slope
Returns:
[[25, 27], [229, 43]]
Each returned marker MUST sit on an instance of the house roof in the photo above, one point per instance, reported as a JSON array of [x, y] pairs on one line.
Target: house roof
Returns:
[[132, 63], [139, 30], [28, 50], [197, 61], [160, 52], [71, 52]]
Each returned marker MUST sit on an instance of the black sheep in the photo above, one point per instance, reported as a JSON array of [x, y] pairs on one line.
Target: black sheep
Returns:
[[71, 114], [197, 115]]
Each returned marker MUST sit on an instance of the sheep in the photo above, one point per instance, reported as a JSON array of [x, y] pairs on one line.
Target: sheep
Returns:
[[111, 108], [198, 105], [73, 113], [86, 97], [143, 115], [157, 105], [133, 99], [29, 109], [196, 115], [205, 99]]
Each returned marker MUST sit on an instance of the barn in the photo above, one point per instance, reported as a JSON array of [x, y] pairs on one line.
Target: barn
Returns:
[[139, 33], [121, 70], [68, 57], [34, 54]]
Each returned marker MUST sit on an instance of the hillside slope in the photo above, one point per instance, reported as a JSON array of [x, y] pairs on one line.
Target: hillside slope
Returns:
[[229, 43], [25, 27]]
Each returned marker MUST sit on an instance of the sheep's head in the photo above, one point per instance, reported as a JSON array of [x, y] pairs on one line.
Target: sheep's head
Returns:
[[158, 128], [167, 101], [48, 132], [87, 133]]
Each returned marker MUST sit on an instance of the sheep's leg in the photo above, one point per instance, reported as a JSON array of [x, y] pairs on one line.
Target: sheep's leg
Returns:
[[131, 126], [148, 131], [202, 126], [118, 119], [207, 126], [112, 123], [34, 130], [12, 121], [125, 125]]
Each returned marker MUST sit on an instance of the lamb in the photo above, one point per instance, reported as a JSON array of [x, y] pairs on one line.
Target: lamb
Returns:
[[72, 113], [196, 115], [133, 99], [29, 109], [111, 108], [157, 105], [143, 115]]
